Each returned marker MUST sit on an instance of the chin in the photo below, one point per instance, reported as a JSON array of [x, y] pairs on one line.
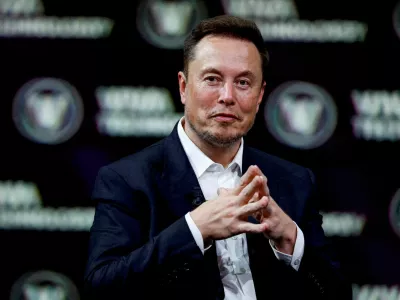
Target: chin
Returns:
[[228, 132], [232, 137]]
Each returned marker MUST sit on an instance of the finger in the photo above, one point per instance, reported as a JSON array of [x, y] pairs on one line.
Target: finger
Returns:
[[257, 214], [247, 227], [254, 198], [254, 207], [271, 208], [265, 188], [258, 171], [247, 193], [246, 179], [264, 211]]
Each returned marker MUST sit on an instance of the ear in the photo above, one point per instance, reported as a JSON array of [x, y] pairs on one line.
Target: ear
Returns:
[[260, 97], [182, 86]]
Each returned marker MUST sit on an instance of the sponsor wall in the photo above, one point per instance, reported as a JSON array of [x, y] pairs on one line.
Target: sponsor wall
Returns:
[[84, 84]]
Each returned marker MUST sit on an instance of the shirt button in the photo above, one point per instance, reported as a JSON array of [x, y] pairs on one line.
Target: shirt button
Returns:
[[296, 262]]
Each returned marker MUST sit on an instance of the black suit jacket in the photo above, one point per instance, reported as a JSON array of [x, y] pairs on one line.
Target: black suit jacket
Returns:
[[141, 246]]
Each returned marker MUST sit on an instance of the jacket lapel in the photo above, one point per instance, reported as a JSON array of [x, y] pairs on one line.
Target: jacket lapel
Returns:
[[178, 178], [184, 194]]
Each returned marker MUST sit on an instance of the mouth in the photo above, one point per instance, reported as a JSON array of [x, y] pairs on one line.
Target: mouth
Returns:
[[223, 117]]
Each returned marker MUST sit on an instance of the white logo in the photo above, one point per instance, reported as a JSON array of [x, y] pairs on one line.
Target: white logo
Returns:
[[278, 20], [21, 7], [377, 115], [301, 115], [135, 111], [396, 19], [166, 24], [394, 213], [27, 18], [21, 208], [48, 111], [375, 292], [268, 9], [343, 224], [44, 285]]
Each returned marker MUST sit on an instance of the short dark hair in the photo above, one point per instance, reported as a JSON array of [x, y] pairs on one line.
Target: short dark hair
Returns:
[[228, 26]]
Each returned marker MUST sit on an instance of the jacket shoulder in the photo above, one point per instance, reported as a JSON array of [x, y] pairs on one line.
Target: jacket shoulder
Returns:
[[138, 165]]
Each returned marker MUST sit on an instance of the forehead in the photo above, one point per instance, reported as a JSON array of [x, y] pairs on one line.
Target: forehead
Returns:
[[226, 52]]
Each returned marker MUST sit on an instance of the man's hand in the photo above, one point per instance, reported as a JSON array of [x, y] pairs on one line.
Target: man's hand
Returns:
[[227, 215], [280, 228]]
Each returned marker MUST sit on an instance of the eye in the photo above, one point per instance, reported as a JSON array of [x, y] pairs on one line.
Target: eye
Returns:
[[243, 83], [211, 78]]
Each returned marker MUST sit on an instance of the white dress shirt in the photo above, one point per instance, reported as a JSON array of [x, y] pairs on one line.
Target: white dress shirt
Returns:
[[232, 253]]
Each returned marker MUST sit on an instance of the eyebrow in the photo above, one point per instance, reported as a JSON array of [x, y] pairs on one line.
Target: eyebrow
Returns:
[[247, 73]]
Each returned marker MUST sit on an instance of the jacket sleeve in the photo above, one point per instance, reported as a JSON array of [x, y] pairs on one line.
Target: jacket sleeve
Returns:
[[124, 261]]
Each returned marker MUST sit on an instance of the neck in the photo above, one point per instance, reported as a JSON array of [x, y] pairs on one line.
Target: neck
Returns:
[[221, 155]]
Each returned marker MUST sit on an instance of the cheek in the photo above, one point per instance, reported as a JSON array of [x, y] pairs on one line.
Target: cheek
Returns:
[[204, 97], [249, 105]]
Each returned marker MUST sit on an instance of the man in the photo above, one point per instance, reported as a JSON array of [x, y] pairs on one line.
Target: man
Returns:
[[200, 215]]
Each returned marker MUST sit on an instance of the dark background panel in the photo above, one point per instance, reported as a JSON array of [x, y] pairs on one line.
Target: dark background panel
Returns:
[[353, 175]]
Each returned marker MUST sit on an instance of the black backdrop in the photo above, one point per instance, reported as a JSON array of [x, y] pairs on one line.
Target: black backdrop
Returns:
[[50, 157]]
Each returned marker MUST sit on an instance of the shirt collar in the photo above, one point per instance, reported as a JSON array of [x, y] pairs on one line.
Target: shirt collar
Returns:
[[199, 161]]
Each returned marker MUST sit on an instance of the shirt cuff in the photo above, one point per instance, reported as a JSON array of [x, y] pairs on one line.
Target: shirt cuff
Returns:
[[196, 233], [295, 259]]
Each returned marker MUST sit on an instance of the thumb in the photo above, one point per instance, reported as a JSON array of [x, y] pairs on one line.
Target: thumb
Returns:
[[222, 192]]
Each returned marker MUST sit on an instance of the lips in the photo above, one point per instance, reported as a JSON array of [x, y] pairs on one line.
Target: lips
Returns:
[[225, 118], [224, 115]]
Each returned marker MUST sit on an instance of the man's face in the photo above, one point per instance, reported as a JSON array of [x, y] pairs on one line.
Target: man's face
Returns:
[[223, 90]]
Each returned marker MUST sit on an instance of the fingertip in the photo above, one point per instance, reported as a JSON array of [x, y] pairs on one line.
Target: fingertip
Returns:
[[266, 200], [256, 169], [251, 170]]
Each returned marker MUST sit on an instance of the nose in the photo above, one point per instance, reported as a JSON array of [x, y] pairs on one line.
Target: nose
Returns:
[[226, 95]]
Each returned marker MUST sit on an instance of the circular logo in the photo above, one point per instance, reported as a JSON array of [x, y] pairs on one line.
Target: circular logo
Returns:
[[166, 24], [47, 111], [394, 213], [44, 285], [396, 19], [300, 114]]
